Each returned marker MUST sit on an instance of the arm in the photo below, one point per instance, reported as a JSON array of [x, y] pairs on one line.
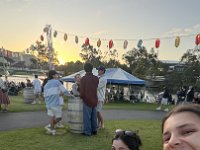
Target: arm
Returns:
[[102, 83]]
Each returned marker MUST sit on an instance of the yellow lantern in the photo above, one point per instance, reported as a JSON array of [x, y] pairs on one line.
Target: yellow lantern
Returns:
[[65, 37], [99, 43], [177, 41]]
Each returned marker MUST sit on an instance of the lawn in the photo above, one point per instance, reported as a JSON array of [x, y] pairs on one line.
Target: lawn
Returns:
[[18, 105], [36, 138]]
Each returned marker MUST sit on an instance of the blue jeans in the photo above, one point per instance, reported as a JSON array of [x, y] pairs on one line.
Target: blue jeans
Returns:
[[89, 119]]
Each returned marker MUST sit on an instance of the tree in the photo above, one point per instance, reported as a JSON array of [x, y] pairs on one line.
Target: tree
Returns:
[[34, 63], [141, 62], [42, 55], [91, 54], [191, 60]]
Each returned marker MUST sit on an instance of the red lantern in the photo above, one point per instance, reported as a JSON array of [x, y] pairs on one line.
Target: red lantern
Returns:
[[87, 41], [157, 43], [99, 43], [110, 44], [197, 41], [41, 38]]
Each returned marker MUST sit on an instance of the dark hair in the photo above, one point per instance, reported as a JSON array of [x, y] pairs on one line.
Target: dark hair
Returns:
[[133, 142], [36, 76], [192, 108], [88, 67]]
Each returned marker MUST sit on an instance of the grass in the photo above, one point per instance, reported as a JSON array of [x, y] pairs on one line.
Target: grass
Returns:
[[18, 105], [36, 138]]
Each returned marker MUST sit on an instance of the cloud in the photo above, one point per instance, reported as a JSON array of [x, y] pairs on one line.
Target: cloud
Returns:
[[183, 31]]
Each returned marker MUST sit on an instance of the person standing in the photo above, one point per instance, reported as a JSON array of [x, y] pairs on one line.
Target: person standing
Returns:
[[37, 89], [165, 100], [53, 89], [4, 99], [88, 93], [190, 95], [76, 86], [101, 91]]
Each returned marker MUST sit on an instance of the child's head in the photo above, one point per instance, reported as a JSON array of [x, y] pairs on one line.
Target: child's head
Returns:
[[126, 139]]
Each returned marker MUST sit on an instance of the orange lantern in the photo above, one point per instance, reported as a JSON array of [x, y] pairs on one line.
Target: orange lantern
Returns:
[[157, 43], [65, 37], [110, 44], [125, 44], [87, 41], [99, 43], [197, 41], [177, 41], [41, 38], [76, 39]]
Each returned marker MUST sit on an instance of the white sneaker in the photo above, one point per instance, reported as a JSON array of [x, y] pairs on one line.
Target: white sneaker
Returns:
[[49, 130], [59, 125], [34, 102], [166, 109], [159, 108]]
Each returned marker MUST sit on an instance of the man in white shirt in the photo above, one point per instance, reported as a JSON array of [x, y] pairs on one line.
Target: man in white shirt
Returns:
[[101, 91], [37, 89]]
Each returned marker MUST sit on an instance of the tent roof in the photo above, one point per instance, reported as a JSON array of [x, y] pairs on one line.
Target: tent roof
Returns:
[[113, 75]]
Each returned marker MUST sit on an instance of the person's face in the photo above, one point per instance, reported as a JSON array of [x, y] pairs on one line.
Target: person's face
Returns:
[[100, 72], [78, 78], [182, 132], [119, 145], [56, 76]]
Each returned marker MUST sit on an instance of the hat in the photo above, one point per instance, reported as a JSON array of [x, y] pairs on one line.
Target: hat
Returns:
[[101, 68], [52, 73]]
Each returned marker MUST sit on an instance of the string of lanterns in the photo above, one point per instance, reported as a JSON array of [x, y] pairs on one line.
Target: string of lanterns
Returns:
[[125, 43]]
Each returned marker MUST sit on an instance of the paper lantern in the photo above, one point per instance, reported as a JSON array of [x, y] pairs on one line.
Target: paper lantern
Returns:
[[87, 41], [197, 41], [125, 44], [110, 44], [177, 41], [139, 45], [41, 38], [45, 29], [157, 43], [55, 34], [99, 43], [76, 39], [65, 37]]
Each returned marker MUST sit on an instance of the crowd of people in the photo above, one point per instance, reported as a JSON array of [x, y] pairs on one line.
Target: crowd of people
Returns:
[[177, 132]]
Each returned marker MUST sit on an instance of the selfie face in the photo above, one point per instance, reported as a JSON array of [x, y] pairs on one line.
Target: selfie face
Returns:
[[119, 145], [182, 132]]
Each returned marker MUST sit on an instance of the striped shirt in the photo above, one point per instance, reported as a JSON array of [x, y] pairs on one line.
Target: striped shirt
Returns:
[[52, 90]]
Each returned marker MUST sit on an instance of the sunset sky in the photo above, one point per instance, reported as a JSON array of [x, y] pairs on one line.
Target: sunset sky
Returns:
[[22, 23]]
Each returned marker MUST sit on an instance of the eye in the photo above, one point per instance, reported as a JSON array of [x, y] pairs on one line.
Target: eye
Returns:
[[166, 139], [187, 132]]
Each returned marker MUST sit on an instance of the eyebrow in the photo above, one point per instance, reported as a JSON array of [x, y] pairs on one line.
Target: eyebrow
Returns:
[[186, 125], [181, 126]]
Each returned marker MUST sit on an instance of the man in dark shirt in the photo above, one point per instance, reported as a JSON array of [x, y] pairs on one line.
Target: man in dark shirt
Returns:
[[88, 92]]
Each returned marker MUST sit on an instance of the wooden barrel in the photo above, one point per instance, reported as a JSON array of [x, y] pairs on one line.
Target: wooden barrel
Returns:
[[75, 115], [29, 96]]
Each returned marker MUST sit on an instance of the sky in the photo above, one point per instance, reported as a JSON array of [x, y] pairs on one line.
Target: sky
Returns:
[[22, 23]]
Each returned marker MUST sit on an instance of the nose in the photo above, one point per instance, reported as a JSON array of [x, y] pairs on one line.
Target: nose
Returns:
[[174, 141]]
